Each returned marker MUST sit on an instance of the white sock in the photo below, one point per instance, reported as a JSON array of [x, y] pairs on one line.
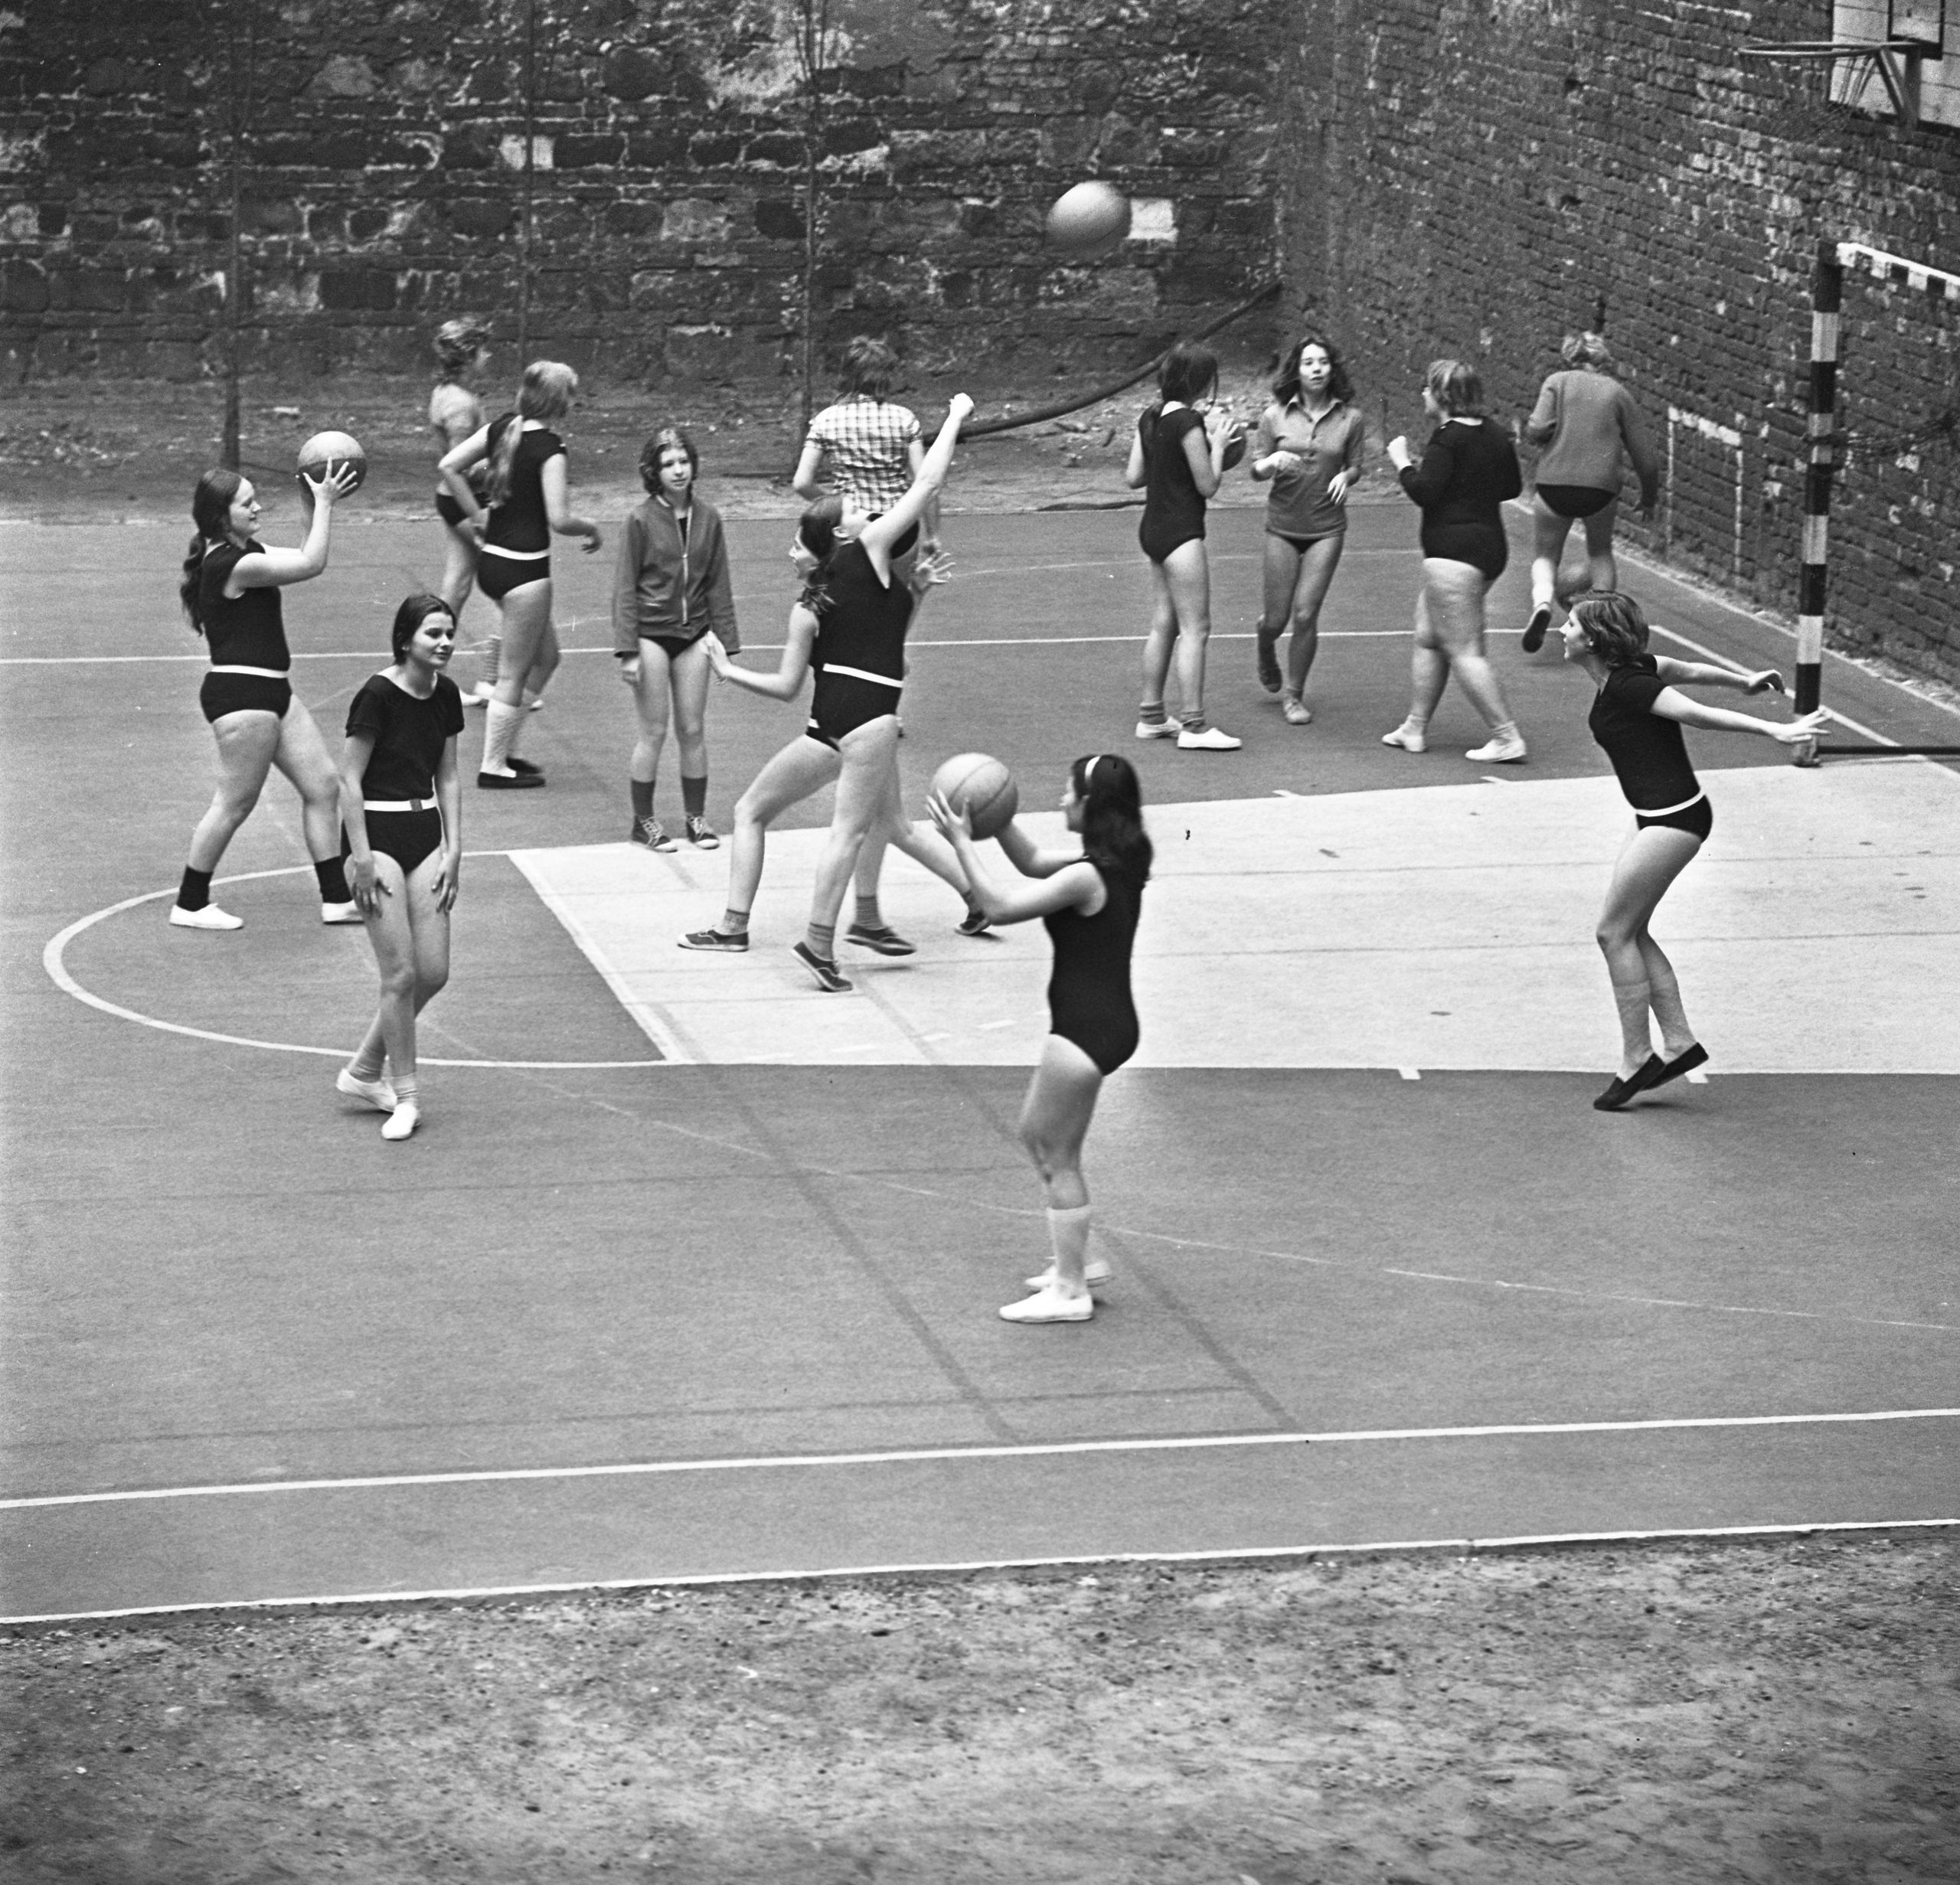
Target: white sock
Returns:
[[1068, 1236], [500, 732]]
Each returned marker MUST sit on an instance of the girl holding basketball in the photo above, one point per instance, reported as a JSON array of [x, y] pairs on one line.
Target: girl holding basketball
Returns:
[[525, 503], [231, 592], [670, 591], [1177, 459], [1638, 711], [849, 626], [1590, 427], [462, 351], [402, 811], [1309, 444], [1468, 469], [1089, 895]]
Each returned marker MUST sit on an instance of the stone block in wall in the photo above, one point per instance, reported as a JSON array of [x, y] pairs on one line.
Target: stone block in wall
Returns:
[[478, 217], [23, 287], [604, 150], [780, 219], [694, 220], [353, 289]]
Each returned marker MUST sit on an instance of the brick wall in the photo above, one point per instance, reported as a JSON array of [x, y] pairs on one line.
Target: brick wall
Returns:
[[384, 185], [1496, 166]]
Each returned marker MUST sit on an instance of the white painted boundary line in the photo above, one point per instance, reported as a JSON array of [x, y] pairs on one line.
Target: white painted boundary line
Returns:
[[954, 1567], [917, 1455]]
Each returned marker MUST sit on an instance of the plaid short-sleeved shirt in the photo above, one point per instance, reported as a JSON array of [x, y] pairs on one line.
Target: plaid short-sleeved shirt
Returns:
[[865, 443]]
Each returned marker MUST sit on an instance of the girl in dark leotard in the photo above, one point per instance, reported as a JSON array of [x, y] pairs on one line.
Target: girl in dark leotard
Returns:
[[231, 592], [403, 813], [1089, 895], [1177, 459], [850, 628], [1638, 714], [1469, 467], [527, 493]]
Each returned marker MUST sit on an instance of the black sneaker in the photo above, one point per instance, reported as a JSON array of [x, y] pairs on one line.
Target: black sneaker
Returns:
[[701, 834], [651, 833], [1534, 629], [880, 937], [825, 972], [976, 922]]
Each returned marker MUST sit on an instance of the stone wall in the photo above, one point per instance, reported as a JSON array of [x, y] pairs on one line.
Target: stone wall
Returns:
[[1500, 168], [384, 183]]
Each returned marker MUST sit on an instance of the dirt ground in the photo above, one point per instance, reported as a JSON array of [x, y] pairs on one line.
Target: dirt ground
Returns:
[[1780, 1711]]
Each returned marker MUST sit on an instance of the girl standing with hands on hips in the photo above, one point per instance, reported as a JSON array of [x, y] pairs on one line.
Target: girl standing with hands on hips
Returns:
[[402, 812], [1089, 895], [1638, 711], [525, 502], [671, 589], [1177, 459], [231, 592], [1469, 468], [1309, 444]]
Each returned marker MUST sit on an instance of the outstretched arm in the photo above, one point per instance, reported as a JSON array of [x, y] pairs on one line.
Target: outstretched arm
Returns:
[[1702, 674], [882, 532], [1669, 704]]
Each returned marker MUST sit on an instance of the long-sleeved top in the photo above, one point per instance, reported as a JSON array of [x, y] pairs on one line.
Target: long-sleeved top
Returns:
[[1468, 469], [671, 579], [1299, 504], [1591, 423]]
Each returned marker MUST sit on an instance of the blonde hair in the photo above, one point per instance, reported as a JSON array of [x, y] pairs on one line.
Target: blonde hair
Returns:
[[1457, 387], [1587, 349], [545, 395]]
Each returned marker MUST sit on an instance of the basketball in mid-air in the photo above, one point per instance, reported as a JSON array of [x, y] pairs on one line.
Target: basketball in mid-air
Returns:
[[1088, 221], [983, 788], [327, 452]]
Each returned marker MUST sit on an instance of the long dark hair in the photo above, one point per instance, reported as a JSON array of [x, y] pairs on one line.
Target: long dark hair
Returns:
[[1112, 831], [1286, 386], [416, 610], [210, 511], [545, 395], [1188, 373], [817, 532]]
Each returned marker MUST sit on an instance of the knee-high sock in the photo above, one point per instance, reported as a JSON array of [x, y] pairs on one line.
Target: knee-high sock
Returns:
[[500, 732], [1632, 998], [1068, 1236]]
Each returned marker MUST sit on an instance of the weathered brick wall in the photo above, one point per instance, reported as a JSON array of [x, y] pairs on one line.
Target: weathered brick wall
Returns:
[[384, 186], [1494, 167]]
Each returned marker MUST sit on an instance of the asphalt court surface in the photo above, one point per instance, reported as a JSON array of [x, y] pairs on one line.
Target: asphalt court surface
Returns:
[[737, 1319]]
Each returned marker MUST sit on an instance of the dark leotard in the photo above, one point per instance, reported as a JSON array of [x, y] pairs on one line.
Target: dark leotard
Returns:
[[859, 655], [1173, 511], [1089, 990], [409, 736], [1467, 472], [517, 536], [1649, 756], [246, 631]]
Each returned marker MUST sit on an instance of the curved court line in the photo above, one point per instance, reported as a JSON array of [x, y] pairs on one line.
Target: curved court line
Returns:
[[1242, 1554], [51, 959], [915, 1455]]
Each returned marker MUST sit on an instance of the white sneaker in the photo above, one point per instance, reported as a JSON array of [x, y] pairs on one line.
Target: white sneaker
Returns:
[[1157, 730], [378, 1093], [1095, 1272], [1212, 739], [1050, 1306], [209, 917], [479, 696], [1407, 738], [1497, 752], [402, 1122], [349, 911]]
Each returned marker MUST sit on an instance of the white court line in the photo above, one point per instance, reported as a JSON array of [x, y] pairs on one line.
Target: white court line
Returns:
[[1225, 1554], [57, 971], [916, 1455]]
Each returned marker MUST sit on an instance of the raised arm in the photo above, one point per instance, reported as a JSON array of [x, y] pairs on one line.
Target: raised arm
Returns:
[[273, 569], [787, 682], [557, 482], [1029, 859], [882, 532], [1074, 885]]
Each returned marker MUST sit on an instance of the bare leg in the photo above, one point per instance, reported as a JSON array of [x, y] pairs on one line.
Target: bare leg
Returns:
[[1648, 862], [527, 614], [245, 744], [1549, 531], [1455, 592], [869, 752], [1601, 568], [804, 766], [1318, 562], [303, 758], [1054, 1120], [1187, 571], [1161, 637], [1280, 572], [651, 705]]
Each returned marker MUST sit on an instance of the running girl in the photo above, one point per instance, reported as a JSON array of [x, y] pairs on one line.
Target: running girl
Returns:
[[525, 502], [1468, 469], [671, 588], [1090, 895], [1638, 714], [462, 352], [1309, 443], [402, 812], [230, 593]]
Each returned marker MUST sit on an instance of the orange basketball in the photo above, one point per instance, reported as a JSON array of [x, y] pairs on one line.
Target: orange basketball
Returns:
[[983, 788]]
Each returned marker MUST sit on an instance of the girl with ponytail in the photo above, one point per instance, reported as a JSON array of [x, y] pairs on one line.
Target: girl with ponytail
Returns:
[[1089, 895]]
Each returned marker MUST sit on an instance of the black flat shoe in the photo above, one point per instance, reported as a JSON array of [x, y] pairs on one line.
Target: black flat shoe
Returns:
[[1687, 1060], [525, 769], [1621, 1091], [509, 782]]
